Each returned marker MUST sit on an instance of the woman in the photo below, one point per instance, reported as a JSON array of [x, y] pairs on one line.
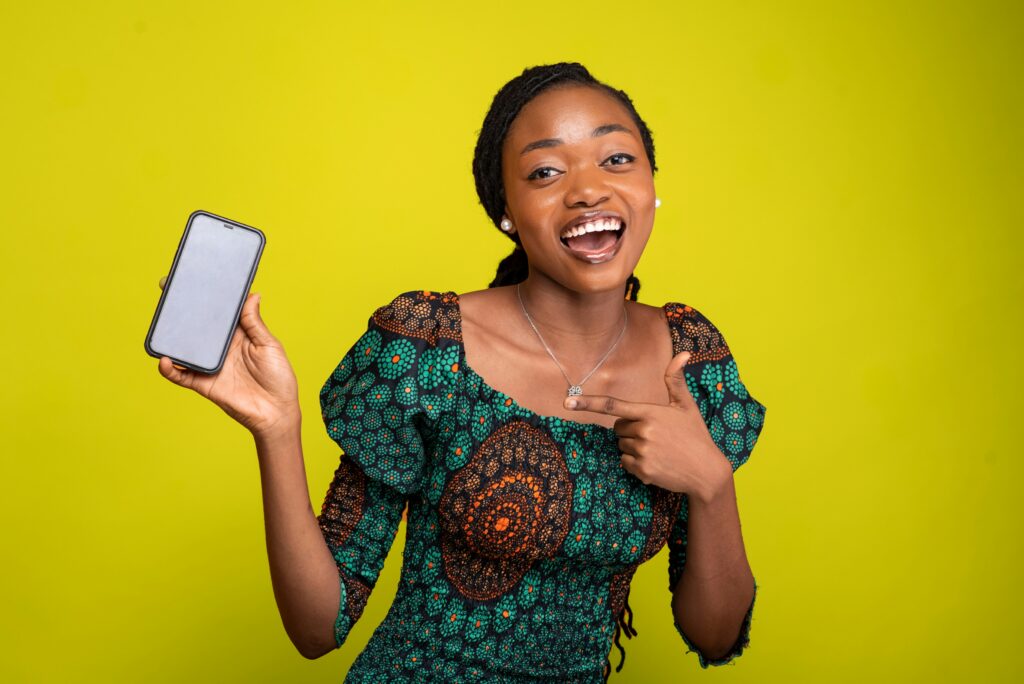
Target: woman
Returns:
[[604, 430]]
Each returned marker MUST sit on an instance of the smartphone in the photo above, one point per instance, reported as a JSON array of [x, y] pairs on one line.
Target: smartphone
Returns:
[[207, 285]]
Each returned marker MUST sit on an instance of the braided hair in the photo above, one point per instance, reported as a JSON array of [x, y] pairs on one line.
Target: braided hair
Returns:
[[505, 107]]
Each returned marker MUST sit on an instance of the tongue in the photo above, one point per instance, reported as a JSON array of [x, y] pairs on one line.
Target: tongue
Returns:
[[592, 243]]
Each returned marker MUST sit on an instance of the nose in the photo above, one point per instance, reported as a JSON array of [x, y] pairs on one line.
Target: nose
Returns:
[[586, 188]]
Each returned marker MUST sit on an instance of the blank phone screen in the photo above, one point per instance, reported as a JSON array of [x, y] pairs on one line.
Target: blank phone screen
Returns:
[[205, 292]]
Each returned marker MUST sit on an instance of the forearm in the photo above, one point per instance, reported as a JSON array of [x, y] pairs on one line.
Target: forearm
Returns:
[[302, 570], [717, 586]]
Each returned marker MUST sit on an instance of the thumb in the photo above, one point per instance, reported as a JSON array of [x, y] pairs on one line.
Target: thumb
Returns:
[[675, 379], [252, 323], [183, 377]]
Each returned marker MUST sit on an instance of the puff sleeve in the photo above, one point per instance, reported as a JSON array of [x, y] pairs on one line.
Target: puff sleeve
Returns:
[[734, 419], [370, 409]]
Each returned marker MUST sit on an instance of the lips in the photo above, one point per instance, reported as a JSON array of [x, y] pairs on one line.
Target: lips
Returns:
[[593, 237]]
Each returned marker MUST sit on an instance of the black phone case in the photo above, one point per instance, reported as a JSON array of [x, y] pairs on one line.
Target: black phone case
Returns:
[[170, 277]]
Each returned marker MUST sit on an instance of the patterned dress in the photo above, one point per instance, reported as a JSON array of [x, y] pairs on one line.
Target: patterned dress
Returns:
[[523, 530]]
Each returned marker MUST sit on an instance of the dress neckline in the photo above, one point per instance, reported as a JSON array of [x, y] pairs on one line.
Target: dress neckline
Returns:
[[511, 401]]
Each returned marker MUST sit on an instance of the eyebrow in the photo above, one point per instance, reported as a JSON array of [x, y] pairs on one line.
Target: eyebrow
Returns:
[[552, 142]]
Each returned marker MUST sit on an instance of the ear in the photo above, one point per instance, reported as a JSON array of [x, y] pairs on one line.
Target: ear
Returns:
[[511, 223]]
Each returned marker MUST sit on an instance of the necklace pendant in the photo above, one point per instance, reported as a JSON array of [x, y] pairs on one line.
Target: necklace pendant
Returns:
[[575, 391]]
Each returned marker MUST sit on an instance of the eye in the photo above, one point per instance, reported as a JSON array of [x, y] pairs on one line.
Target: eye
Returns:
[[622, 155], [535, 175]]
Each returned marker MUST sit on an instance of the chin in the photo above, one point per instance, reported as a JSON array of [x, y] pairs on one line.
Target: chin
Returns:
[[596, 281]]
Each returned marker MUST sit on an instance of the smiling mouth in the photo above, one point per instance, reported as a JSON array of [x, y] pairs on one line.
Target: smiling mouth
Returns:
[[594, 241]]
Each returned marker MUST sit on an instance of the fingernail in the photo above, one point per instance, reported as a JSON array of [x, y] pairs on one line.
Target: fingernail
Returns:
[[570, 403]]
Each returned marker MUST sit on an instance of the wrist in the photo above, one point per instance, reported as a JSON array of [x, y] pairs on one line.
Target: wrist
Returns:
[[286, 428], [717, 480]]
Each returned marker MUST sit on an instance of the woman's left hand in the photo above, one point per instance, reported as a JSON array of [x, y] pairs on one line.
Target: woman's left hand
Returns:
[[664, 445]]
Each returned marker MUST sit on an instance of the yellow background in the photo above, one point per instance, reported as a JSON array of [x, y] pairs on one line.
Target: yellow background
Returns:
[[841, 196]]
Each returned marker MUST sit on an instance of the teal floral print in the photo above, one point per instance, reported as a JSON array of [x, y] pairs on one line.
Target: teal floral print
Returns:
[[524, 531]]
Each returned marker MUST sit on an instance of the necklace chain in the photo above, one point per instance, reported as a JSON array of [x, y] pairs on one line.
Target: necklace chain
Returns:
[[574, 389]]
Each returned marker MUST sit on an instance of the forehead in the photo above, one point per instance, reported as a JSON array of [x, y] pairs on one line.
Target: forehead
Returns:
[[569, 113]]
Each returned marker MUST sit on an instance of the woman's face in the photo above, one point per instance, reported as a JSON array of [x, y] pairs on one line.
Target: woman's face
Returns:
[[574, 153]]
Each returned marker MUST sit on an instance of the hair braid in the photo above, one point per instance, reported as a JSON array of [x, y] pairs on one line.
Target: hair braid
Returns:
[[505, 107]]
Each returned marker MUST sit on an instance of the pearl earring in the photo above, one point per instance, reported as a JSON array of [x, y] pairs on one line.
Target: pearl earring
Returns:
[[506, 225], [657, 202]]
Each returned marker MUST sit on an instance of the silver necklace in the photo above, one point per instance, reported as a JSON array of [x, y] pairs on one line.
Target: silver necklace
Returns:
[[574, 389]]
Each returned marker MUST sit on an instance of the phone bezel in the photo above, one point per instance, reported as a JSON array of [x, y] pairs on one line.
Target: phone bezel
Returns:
[[238, 311]]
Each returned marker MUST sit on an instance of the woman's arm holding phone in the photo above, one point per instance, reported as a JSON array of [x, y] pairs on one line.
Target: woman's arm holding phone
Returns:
[[257, 387], [302, 569]]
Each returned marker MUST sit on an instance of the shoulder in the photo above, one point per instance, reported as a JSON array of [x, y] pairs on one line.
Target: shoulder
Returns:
[[422, 314], [488, 309], [694, 332]]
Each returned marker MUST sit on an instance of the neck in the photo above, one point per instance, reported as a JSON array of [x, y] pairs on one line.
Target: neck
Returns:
[[565, 316]]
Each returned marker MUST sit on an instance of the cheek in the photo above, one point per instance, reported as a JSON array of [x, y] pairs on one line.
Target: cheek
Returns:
[[644, 198], [639, 196], [643, 225], [639, 242], [535, 220]]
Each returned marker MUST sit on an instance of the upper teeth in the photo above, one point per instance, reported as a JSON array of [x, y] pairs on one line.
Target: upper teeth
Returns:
[[592, 227]]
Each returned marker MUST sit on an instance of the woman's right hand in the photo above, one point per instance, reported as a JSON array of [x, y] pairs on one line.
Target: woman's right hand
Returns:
[[256, 385]]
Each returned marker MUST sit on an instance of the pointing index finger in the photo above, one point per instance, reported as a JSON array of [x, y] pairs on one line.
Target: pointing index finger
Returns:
[[600, 403]]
